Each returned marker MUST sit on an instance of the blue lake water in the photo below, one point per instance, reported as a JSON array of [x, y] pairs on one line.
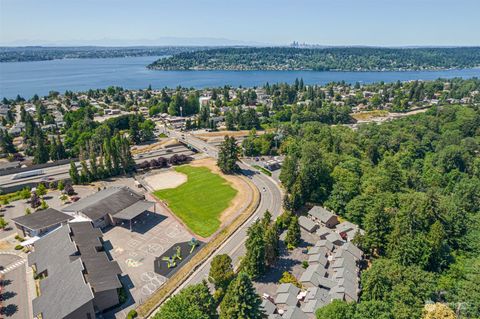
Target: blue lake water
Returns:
[[29, 78]]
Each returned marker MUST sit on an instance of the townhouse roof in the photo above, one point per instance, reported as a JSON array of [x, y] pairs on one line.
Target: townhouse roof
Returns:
[[307, 224], [62, 292], [294, 312], [321, 213]]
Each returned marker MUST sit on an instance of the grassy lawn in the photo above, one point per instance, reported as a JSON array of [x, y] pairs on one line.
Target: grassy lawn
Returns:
[[200, 201]]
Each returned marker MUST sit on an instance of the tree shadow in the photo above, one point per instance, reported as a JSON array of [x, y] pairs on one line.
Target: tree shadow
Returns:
[[7, 295], [9, 310]]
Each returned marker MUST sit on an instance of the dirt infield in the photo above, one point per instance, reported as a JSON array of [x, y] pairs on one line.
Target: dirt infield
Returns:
[[166, 179]]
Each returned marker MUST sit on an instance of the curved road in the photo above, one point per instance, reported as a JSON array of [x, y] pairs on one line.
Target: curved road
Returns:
[[270, 199]]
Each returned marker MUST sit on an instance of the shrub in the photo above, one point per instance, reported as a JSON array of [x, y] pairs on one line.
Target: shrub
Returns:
[[305, 264], [18, 247], [288, 278], [132, 314]]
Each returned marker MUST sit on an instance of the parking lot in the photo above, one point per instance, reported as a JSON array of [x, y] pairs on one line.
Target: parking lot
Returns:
[[135, 250]]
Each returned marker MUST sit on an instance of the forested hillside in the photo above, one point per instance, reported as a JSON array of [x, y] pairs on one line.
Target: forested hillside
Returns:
[[342, 59], [414, 186]]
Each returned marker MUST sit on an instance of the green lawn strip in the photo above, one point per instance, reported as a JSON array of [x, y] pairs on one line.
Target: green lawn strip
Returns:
[[263, 170], [200, 201]]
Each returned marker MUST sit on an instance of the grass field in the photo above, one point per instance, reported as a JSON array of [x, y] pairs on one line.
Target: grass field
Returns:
[[200, 201]]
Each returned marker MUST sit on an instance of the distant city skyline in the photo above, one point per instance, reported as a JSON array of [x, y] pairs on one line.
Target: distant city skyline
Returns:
[[234, 22]]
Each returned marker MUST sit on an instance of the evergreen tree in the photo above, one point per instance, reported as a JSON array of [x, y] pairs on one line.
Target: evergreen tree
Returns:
[[6, 142], [254, 261], [228, 155], [53, 150], [134, 131], [93, 167], [74, 173], [61, 154], [84, 173], [293, 233], [221, 271], [241, 300], [271, 244], [41, 152], [193, 302]]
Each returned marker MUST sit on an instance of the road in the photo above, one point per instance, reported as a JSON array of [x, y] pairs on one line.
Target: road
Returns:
[[61, 171], [14, 297], [270, 198]]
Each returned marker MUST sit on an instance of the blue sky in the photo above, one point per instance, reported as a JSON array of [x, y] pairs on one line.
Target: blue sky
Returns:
[[328, 22]]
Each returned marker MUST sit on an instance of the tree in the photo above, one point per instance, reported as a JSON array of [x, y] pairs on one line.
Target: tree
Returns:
[[193, 302], [254, 261], [293, 233], [35, 201], [41, 190], [228, 155], [41, 151], [3, 223], [438, 311], [272, 240], [69, 190], [288, 278], [6, 142], [241, 300], [61, 185], [43, 205], [337, 309], [74, 173], [221, 271]]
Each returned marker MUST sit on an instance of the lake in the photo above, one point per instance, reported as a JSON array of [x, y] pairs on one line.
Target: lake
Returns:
[[29, 78]]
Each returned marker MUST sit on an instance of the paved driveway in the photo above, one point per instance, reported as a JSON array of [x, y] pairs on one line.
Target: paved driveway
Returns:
[[13, 284], [135, 251]]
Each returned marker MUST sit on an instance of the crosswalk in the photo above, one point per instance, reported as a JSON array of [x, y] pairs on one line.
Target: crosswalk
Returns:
[[12, 266]]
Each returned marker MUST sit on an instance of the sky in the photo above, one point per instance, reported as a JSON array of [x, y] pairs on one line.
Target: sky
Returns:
[[266, 22]]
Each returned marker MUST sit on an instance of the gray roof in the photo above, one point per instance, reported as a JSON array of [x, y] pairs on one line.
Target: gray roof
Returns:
[[346, 226], [102, 273], [313, 273], [327, 283], [63, 292], [52, 251], [315, 250], [318, 259], [288, 288], [286, 299], [325, 243], [134, 210], [42, 219], [334, 238], [354, 250], [268, 307], [76, 267], [107, 201], [316, 293], [312, 305], [323, 231], [294, 313], [307, 224], [321, 213]]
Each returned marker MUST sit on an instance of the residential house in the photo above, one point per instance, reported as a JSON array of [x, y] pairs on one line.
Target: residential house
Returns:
[[323, 216]]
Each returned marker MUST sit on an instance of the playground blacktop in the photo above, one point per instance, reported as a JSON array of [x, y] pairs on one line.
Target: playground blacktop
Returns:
[[136, 250]]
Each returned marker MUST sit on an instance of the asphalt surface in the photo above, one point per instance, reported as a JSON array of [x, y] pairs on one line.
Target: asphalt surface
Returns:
[[61, 171], [14, 297], [270, 198]]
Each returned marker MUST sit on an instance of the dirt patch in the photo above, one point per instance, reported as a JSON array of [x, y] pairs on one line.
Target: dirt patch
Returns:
[[243, 197], [166, 179]]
